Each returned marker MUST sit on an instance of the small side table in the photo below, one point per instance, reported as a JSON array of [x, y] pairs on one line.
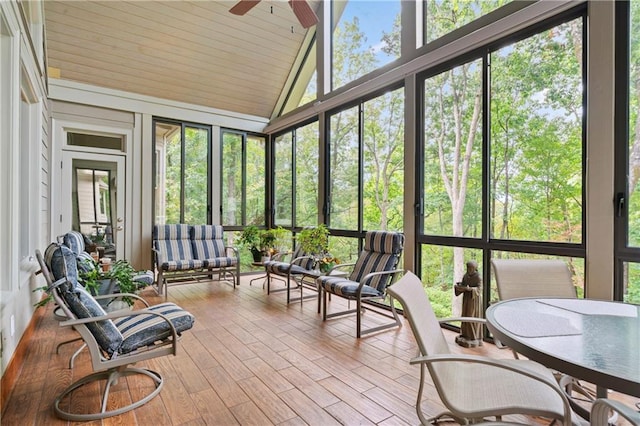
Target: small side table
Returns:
[[263, 277]]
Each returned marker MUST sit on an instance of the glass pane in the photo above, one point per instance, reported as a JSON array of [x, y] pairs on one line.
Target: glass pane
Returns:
[[196, 182], [443, 16], [365, 37], [383, 181], [631, 284], [453, 152], [96, 141], [575, 264], [344, 163], [255, 180], [168, 173], [442, 267], [283, 175], [536, 137], [307, 174], [634, 126], [231, 178], [345, 249]]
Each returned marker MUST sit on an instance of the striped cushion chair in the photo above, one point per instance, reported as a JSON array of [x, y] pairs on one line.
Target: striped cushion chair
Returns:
[[115, 340], [173, 252], [207, 242], [301, 264], [372, 273]]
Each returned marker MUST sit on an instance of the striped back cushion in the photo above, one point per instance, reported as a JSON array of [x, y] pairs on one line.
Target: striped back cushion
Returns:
[[304, 263], [80, 302], [381, 252], [75, 241], [207, 241], [172, 242]]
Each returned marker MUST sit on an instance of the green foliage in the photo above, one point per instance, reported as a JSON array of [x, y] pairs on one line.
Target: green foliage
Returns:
[[314, 240], [250, 237]]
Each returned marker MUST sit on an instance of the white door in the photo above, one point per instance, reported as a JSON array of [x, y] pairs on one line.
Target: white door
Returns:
[[93, 199]]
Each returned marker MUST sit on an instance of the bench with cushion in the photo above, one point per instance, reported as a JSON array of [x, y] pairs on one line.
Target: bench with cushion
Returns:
[[187, 252]]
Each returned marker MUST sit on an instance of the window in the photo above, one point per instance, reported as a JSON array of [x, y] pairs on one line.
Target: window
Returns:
[[627, 115], [243, 179], [508, 183], [366, 167], [366, 36], [444, 16], [296, 177], [182, 192]]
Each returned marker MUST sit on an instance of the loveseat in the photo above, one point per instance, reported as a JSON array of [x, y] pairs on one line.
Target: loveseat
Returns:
[[190, 252]]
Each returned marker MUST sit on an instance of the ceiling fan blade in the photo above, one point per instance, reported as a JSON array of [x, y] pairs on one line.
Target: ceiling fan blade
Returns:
[[243, 6], [304, 13]]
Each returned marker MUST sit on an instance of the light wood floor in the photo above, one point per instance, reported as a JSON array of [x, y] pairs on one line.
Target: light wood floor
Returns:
[[250, 359]]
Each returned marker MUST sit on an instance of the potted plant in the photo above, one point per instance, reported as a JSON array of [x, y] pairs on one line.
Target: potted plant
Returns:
[[314, 241], [250, 239]]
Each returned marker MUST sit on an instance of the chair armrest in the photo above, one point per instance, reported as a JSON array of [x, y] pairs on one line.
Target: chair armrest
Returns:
[[299, 259], [233, 249], [463, 319], [600, 412], [281, 255], [371, 275], [514, 367], [340, 266], [121, 296]]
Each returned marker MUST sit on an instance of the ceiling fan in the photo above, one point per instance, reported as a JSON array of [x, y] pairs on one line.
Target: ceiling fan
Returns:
[[301, 9]]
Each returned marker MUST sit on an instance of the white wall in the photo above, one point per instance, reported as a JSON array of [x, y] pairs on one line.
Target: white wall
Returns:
[[24, 180]]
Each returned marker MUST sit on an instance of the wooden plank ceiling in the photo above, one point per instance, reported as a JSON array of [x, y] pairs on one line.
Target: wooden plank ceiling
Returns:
[[188, 51]]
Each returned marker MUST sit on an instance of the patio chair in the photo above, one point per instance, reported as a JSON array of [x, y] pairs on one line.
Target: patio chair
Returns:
[[474, 387], [517, 278], [301, 264], [115, 341], [372, 273], [601, 412]]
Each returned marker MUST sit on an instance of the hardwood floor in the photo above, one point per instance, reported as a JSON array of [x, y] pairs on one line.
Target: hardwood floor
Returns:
[[250, 359]]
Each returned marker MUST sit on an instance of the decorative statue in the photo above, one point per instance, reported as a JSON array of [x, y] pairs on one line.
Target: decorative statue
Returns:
[[471, 289]]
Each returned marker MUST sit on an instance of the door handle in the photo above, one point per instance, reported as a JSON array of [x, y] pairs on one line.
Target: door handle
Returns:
[[119, 228]]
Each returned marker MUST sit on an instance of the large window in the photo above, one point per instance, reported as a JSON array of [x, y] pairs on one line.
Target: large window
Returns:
[[243, 179], [508, 183], [444, 16], [296, 177], [628, 153], [366, 167], [182, 193], [366, 36]]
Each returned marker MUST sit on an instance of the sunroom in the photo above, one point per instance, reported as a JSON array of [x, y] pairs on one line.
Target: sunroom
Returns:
[[480, 130]]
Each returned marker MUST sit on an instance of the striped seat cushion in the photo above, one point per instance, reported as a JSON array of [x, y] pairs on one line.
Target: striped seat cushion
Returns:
[[346, 288], [220, 262], [181, 265], [282, 268], [142, 329]]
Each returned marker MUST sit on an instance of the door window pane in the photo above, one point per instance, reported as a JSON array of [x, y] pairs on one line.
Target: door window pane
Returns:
[[453, 152], [536, 137], [634, 127]]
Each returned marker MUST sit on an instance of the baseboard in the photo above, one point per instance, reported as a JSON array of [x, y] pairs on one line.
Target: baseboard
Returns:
[[14, 367]]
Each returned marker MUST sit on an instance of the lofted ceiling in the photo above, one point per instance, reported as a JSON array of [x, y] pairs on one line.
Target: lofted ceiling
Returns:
[[188, 51]]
